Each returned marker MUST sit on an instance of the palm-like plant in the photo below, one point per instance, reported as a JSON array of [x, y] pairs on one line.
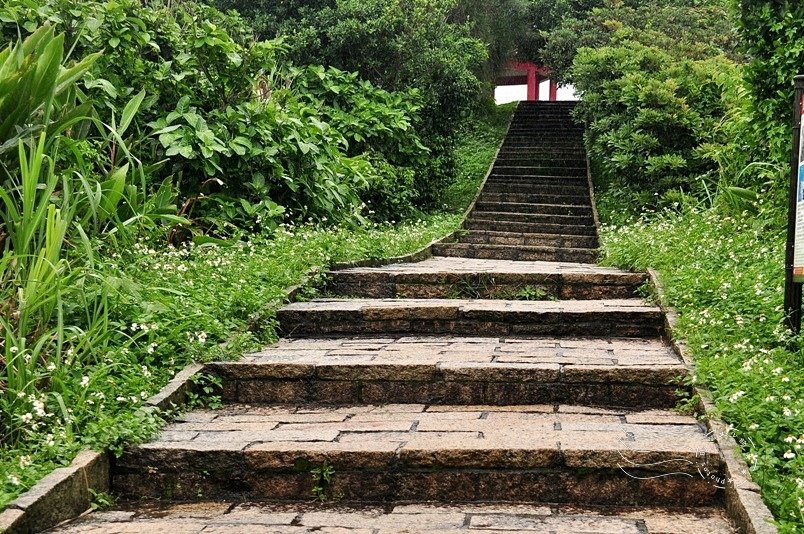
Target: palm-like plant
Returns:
[[37, 88]]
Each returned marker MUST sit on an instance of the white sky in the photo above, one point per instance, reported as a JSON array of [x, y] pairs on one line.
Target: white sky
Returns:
[[512, 93]]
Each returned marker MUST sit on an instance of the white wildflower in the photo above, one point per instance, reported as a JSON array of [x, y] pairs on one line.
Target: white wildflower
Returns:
[[39, 408], [736, 396]]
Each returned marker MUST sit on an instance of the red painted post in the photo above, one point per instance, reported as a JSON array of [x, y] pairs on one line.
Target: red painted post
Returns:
[[553, 91], [533, 83], [533, 87]]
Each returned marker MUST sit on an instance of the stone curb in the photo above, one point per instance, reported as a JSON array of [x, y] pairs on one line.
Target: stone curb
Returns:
[[61, 495], [744, 505], [427, 251], [595, 216], [66, 492]]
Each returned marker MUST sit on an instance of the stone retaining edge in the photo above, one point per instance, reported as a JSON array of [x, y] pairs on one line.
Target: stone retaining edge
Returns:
[[595, 216], [66, 492], [744, 505], [427, 251]]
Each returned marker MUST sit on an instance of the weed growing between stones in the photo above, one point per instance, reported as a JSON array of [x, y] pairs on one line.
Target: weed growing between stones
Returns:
[[322, 477], [725, 276]]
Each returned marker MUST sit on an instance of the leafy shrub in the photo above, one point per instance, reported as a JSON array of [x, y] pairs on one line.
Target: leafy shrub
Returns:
[[649, 113], [688, 29], [397, 46], [222, 112], [772, 36]]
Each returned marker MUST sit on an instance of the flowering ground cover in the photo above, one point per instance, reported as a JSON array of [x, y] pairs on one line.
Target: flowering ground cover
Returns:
[[725, 276]]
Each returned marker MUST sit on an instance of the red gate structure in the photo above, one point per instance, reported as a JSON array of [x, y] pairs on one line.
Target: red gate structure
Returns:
[[530, 74]]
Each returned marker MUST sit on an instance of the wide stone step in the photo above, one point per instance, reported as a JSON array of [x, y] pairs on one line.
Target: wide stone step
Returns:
[[534, 198], [535, 142], [532, 207], [495, 225], [546, 150], [546, 179], [544, 129], [342, 317], [537, 186], [410, 452], [478, 518], [443, 277], [439, 370], [515, 160], [549, 153], [522, 253], [529, 239], [544, 114], [534, 218], [538, 170], [575, 138], [580, 182]]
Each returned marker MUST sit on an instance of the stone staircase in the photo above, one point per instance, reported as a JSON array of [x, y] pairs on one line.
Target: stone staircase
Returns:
[[506, 384], [536, 202]]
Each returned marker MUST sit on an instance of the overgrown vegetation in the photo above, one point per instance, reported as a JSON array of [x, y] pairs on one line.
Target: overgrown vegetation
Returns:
[[690, 143], [399, 46], [245, 136]]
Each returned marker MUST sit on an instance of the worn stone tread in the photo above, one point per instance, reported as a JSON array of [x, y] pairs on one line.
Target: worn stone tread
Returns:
[[501, 518], [454, 370], [451, 277], [615, 317], [388, 453], [516, 253], [574, 270]]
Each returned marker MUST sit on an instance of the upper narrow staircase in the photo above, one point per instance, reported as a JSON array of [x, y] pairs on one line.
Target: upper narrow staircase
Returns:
[[536, 203], [506, 384]]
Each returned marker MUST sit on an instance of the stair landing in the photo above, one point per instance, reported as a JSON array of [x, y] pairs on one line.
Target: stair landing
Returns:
[[249, 518]]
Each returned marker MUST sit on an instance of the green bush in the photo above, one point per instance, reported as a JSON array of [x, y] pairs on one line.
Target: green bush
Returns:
[[649, 114], [241, 133], [772, 36], [397, 45], [688, 29]]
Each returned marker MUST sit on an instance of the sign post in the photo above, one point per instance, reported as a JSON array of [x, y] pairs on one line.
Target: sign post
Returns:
[[794, 257]]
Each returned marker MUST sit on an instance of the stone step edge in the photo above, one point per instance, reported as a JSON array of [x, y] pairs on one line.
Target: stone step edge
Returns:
[[558, 251], [583, 220], [397, 459], [421, 517], [349, 317]]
